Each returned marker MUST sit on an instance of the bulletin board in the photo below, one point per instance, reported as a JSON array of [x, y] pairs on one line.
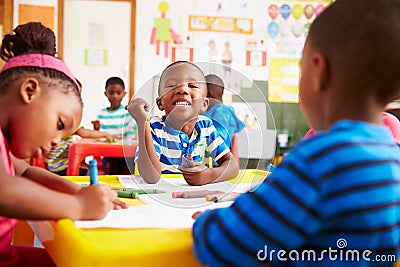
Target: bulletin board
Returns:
[[261, 39], [287, 26]]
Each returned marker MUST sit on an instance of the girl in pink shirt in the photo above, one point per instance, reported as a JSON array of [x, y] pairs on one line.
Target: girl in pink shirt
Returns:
[[39, 105]]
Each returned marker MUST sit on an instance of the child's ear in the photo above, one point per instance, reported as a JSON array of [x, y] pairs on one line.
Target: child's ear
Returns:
[[159, 104], [204, 107], [321, 71], [29, 89]]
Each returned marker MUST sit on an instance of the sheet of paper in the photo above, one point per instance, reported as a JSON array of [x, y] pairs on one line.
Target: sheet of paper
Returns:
[[148, 216], [162, 210], [171, 185], [179, 184]]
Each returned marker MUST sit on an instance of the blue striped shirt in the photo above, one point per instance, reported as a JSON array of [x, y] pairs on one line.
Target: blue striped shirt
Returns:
[[172, 144], [338, 190]]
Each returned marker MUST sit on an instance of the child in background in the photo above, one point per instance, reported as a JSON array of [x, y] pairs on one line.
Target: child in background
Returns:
[[39, 105], [223, 116], [181, 132], [340, 190], [57, 159], [116, 121]]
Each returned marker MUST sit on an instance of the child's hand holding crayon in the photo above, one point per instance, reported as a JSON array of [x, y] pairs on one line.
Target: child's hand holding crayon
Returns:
[[138, 108], [96, 201]]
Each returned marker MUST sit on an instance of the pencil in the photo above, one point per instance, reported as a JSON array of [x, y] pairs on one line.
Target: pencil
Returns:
[[143, 191], [226, 197], [194, 194], [210, 160]]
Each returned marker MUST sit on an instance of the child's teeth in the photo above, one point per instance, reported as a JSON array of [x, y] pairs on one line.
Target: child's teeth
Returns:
[[181, 104]]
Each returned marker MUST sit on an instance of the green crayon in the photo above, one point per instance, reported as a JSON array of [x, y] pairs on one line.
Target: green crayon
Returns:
[[127, 194], [143, 191]]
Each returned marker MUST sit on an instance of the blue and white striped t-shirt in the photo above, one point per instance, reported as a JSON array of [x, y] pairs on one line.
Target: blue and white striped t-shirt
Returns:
[[116, 122], [172, 144], [338, 191]]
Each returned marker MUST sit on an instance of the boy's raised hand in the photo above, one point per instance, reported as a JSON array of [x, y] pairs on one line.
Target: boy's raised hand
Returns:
[[137, 107]]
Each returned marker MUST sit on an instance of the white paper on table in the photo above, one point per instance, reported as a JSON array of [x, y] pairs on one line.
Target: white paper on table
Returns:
[[161, 210], [179, 184], [148, 216]]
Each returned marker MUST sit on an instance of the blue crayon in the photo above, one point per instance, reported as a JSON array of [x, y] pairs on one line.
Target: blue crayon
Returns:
[[93, 171]]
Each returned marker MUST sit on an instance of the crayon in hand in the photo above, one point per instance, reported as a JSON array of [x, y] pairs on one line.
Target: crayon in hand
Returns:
[[93, 172]]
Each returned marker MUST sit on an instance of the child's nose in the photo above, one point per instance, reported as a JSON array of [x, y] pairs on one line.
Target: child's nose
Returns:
[[182, 89], [55, 142]]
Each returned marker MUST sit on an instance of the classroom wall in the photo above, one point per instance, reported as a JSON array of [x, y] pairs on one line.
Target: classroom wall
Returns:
[[282, 116], [96, 47]]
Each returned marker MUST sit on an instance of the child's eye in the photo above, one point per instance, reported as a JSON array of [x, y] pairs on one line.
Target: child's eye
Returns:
[[60, 125], [171, 86], [193, 85]]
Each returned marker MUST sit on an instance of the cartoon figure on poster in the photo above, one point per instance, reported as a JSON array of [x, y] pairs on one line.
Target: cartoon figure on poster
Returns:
[[256, 51], [162, 31], [212, 54], [227, 58]]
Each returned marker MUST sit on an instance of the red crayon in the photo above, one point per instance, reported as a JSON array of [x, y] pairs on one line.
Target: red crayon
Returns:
[[194, 194]]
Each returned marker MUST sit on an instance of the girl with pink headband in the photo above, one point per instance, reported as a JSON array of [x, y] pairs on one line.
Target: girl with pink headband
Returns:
[[40, 104]]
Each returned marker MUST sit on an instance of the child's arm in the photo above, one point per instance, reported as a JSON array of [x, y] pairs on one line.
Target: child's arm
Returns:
[[51, 180], [44, 177], [227, 169], [23, 198], [86, 133], [148, 161]]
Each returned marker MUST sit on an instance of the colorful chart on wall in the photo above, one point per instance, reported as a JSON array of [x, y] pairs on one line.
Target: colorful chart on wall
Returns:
[[288, 26]]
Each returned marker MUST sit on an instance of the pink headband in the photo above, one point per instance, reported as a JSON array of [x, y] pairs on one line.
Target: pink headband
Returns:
[[42, 61]]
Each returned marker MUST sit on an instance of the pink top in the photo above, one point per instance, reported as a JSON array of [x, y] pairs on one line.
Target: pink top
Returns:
[[393, 124], [389, 120], [8, 255]]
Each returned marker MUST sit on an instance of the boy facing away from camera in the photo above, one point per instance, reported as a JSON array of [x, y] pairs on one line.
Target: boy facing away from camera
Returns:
[[339, 190], [165, 142]]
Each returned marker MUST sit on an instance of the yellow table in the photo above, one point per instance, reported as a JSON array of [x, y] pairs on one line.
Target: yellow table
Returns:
[[72, 246]]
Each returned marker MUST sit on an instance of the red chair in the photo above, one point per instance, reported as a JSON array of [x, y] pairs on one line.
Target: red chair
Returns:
[[38, 162], [235, 148]]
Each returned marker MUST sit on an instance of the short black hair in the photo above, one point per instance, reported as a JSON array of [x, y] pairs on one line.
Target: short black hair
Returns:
[[114, 80], [176, 63], [361, 47]]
